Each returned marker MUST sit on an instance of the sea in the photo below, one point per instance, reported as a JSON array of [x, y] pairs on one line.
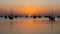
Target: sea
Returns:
[[29, 25]]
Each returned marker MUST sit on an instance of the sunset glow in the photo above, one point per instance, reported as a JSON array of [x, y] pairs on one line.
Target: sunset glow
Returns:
[[29, 7], [29, 16]]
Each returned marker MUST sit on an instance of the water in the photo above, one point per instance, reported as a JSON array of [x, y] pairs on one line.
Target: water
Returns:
[[29, 26]]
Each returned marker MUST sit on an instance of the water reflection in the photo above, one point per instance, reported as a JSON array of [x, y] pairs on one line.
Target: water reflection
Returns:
[[51, 22], [11, 23], [29, 26]]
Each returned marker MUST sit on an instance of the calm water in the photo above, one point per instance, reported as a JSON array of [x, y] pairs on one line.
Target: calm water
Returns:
[[29, 26]]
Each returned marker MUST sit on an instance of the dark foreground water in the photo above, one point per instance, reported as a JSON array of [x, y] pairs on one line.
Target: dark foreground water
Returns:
[[29, 26]]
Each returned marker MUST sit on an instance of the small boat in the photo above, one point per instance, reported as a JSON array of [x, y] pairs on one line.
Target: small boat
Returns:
[[52, 17], [34, 17], [11, 16], [5, 17]]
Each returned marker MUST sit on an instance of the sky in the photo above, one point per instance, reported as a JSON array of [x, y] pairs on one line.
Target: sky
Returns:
[[29, 7]]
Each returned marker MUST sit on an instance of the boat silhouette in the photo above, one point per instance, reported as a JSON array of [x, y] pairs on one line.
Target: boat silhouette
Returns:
[[11, 15], [5, 16], [16, 16], [34, 16], [51, 17]]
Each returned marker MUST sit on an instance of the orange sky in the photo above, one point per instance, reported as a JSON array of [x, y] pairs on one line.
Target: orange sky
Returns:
[[29, 7]]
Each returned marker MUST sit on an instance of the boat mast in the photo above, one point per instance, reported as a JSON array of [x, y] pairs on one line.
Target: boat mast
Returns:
[[11, 11], [52, 12]]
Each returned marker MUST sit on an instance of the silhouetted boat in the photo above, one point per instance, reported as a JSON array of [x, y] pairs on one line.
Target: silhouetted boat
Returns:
[[26, 16], [34, 17], [52, 17], [46, 16], [1, 16], [11, 16], [39, 16], [20, 16], [58, 16], [16, 16], [5, 17]]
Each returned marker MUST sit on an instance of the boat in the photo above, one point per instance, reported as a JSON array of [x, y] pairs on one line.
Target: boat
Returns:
[[11, 15]]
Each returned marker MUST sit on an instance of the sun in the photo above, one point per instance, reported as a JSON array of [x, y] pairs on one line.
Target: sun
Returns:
[[29, 15], [28, 10]]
